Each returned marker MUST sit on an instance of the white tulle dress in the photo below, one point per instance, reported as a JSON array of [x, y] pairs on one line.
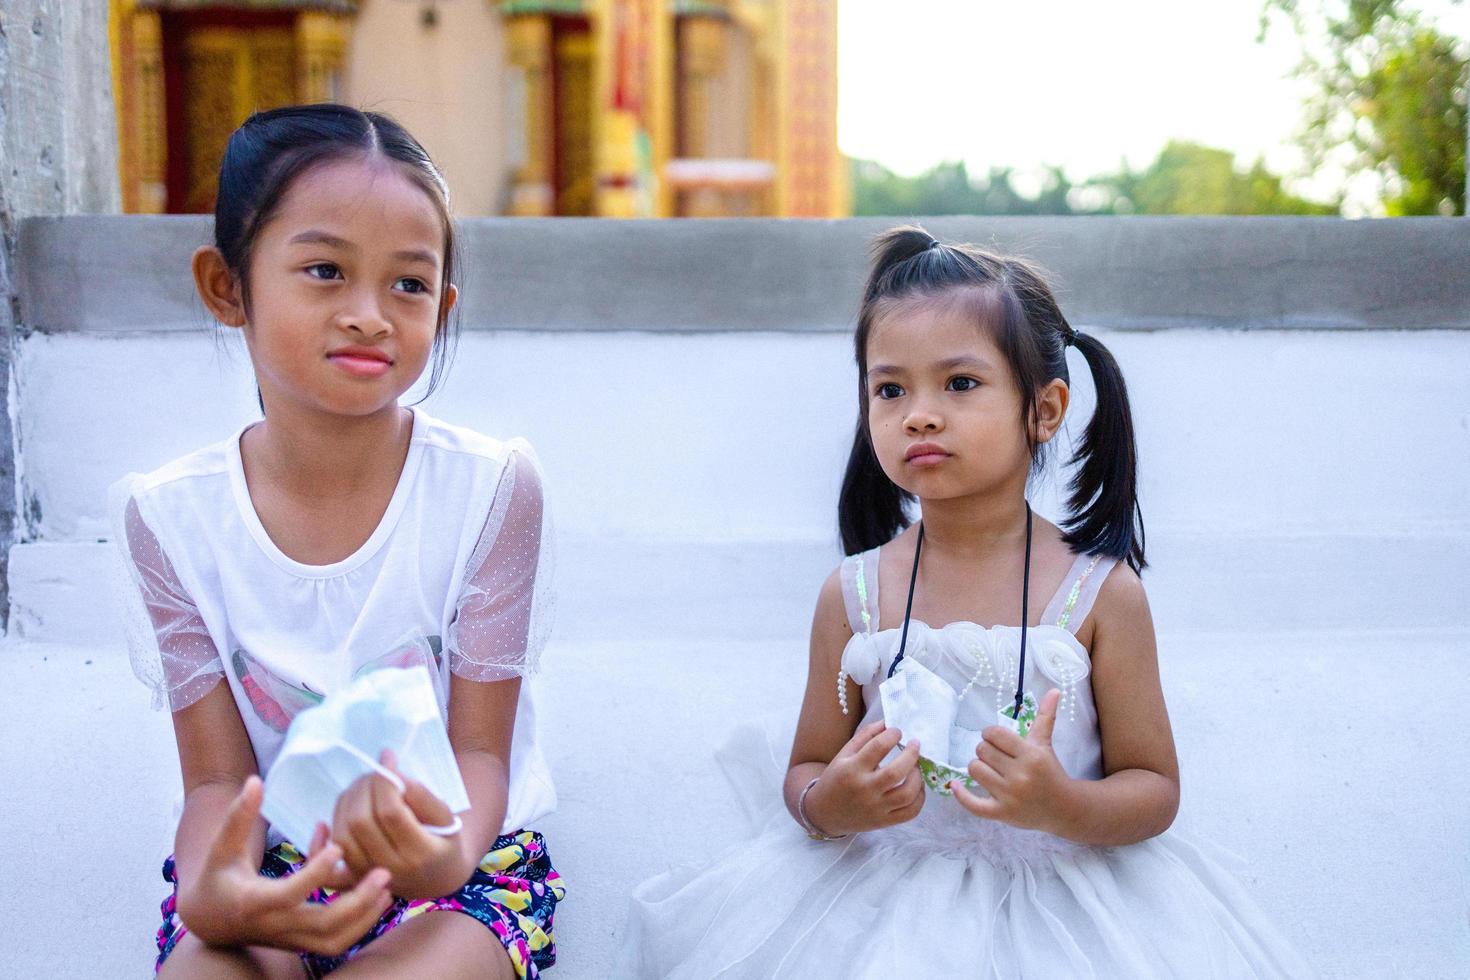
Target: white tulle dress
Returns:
[[948, 894]]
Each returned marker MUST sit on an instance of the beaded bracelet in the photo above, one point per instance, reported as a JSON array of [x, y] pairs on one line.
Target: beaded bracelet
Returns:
[[812, 830]]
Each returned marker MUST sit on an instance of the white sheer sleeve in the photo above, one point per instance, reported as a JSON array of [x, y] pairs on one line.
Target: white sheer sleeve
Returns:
[[170, 647], [503, 614]]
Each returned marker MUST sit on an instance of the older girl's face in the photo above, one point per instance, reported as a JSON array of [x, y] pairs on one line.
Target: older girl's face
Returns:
[[944, 413], [345, 289]]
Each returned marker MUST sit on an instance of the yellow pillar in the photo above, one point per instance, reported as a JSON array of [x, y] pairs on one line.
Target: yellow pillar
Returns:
[[529, 37], [137, 88], [702, 40], [659, 108]]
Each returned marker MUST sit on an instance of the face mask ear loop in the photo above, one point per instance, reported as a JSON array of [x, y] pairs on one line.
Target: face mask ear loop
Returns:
[[903, 637], [1025, 615]]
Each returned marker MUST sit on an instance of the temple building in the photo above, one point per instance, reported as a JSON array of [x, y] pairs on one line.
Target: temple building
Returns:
[[618, 108]]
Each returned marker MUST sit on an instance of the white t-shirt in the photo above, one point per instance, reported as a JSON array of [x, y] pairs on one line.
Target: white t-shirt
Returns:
[[454, 577]]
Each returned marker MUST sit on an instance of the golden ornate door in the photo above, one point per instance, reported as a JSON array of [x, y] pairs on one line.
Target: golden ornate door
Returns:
[[225, 73], [186, 73]]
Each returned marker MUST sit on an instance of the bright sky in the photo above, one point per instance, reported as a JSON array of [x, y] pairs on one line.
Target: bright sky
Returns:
[[1078, 83]]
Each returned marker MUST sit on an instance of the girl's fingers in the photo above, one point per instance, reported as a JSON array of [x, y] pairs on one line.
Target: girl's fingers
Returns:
[[1046, 718], [427, 807], [1004, 740], [986, 776], [402, 828], [905, 762], [387, 814], [350, 914], [318, 872], [861, 737], [993, 757], [318, 838], [980, 806], [374, 847], [877, 747], [232, 841], [344, 836]]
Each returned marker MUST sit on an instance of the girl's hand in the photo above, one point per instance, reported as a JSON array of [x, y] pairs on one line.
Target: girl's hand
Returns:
[[379, 827], [856, 793], [229, 904], [1024, 778]]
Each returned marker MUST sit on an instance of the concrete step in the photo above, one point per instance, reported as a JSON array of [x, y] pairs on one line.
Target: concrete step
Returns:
[[1325, 760]]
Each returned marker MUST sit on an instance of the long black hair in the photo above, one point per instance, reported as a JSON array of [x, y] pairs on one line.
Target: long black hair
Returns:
[[271, 149], [1013, 302]]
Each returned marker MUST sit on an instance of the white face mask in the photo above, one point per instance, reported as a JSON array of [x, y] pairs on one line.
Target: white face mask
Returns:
[[922, 705], [330, 746]]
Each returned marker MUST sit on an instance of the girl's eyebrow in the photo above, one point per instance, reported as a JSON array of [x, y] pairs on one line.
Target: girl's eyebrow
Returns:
[[317, 237], [417, 255], [948, 364]]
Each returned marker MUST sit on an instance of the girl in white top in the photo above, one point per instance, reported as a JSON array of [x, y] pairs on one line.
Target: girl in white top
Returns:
[[1014, 824], [341, 534]]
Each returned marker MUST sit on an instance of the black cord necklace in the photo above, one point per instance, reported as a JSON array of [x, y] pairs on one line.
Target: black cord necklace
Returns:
[[908, 609]]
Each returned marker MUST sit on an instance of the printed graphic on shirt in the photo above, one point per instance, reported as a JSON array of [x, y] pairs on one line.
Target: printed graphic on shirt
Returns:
[[276, 700]]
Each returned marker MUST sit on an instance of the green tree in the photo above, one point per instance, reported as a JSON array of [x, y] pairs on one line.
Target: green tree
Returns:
[[1188, 178], [948, 188], [1388, 99]]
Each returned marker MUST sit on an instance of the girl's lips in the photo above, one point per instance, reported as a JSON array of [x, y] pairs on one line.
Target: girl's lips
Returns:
[[359, 366], [927, 459]]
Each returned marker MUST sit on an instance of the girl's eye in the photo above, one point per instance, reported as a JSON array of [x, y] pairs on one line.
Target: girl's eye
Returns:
[[962, 383], [324, 270], [410, 284], [889, 390]]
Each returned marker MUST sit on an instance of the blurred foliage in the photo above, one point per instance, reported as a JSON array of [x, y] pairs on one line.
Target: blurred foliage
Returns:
[[1388, 98], [1187, 178]]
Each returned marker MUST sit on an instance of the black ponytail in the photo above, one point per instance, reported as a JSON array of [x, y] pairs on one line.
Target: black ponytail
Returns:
[[1106, 518], [1013, 301], [870, 507]]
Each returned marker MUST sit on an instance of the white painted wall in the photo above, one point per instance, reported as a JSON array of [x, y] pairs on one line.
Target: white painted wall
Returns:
[[1301, 478], [744, 435]]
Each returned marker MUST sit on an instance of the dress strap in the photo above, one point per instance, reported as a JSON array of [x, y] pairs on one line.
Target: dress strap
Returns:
[[1072, 603], [860, 591]]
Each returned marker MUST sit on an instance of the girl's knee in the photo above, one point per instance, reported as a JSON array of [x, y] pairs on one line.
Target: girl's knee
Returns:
[[192, 959]]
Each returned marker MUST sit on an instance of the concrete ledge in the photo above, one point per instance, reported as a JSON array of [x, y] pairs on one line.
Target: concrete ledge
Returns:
[[129, 274]]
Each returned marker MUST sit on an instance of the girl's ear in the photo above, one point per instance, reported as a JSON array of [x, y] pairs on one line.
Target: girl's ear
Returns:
[[451, 296], [1051, 408], [218, 287]]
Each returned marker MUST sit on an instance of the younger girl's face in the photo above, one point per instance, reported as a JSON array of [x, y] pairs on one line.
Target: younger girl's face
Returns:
[[345, 289], [944, 413]]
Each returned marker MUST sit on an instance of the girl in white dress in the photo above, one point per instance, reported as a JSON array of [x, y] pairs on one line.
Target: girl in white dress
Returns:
[[1010, 818], [341, 534]]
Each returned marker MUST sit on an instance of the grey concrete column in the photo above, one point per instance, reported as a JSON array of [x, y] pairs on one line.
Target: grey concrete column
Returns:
[[58, 155]]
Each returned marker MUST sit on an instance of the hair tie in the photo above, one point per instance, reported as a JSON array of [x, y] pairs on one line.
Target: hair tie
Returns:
[[1069, 339], [933, 243]]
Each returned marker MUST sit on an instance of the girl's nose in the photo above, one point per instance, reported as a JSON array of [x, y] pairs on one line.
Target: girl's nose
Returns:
[[365, 319], [923, 421]]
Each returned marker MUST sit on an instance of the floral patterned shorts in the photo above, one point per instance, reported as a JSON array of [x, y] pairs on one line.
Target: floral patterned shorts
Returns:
[[514, 892]]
